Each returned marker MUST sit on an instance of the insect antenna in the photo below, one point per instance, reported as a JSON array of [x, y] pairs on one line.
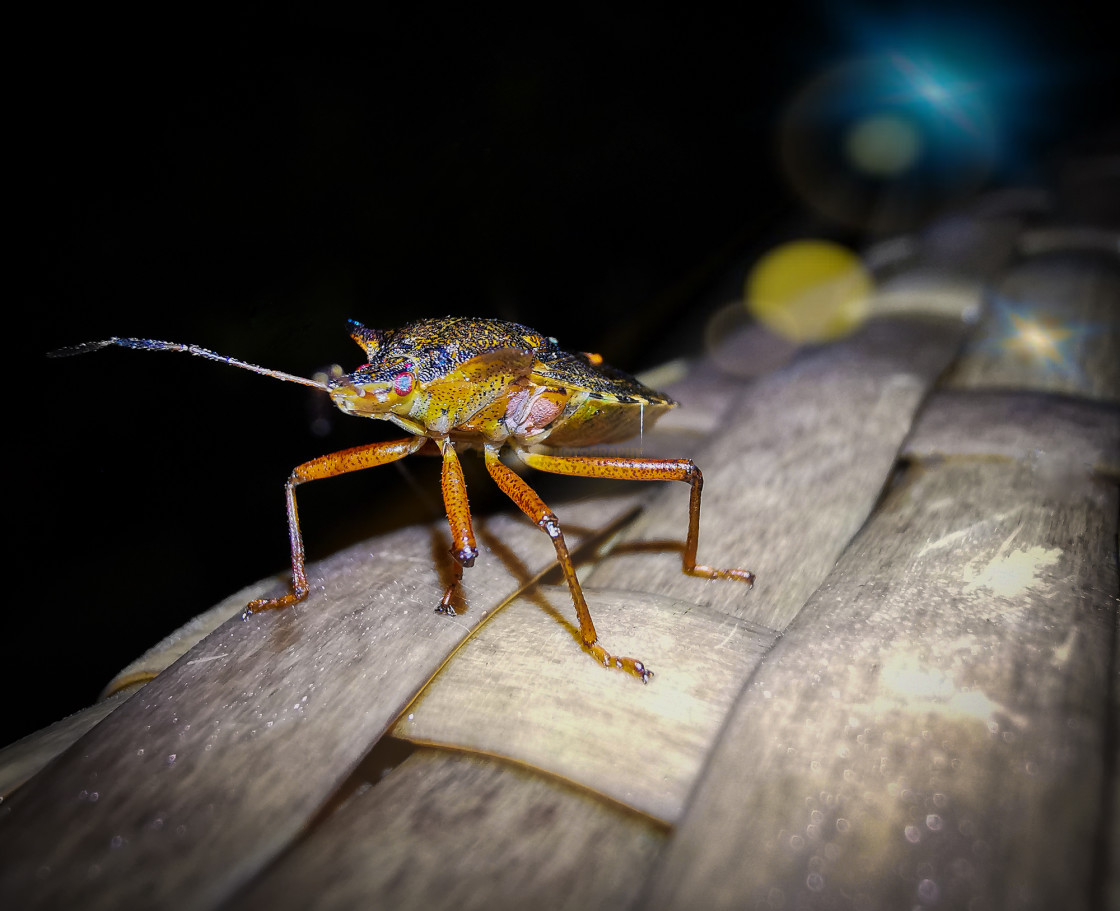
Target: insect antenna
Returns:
[[151, 344]]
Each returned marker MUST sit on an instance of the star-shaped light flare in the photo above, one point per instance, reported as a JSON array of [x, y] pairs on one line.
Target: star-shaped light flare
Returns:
[[1042, 340]]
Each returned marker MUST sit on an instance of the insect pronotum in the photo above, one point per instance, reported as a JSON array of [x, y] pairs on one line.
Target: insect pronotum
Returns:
[[460, 383]]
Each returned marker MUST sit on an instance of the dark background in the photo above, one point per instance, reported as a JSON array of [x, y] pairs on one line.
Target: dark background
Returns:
[[603, 177]]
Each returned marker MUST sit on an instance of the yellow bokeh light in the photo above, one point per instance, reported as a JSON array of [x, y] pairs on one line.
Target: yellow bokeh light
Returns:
[[809, 291], [883, 145]]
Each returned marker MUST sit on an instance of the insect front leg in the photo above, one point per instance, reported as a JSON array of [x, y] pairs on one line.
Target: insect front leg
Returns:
[[327, 466], [637, 469], [535, 508], [463, 549]]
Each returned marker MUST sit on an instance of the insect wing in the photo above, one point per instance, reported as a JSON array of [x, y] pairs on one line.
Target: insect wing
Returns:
[[454, 398], [576, 372], [608, 405]]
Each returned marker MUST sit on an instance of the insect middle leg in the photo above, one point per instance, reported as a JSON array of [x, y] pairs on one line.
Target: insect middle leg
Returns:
[[637, 469], [463, 549], [327, 466], [535, 508]]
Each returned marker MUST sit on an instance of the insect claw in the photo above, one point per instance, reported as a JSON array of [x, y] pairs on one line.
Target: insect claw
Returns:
[[262, 604], [630, 665], [465, 556]]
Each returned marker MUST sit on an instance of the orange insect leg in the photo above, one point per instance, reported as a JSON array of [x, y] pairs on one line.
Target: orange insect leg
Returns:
[[327, 466], [530, 503], [463, 547], [637, 469]]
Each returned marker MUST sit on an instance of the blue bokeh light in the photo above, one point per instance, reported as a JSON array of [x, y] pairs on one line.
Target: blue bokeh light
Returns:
[[923, 111], [1017, 71]]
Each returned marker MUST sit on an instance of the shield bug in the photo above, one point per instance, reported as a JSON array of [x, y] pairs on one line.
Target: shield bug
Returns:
[[459, 383]]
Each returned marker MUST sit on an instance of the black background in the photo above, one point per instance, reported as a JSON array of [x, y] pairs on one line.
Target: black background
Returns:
[[249, 181]]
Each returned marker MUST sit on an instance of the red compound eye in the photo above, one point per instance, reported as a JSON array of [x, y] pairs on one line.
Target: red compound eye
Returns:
[[402, 383]]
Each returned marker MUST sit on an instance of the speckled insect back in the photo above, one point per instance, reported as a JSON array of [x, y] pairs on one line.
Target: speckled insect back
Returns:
[[491, 381], [460, 383]]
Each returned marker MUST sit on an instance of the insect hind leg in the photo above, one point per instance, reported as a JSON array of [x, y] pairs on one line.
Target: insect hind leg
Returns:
[[641, 469], [530, 503]]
